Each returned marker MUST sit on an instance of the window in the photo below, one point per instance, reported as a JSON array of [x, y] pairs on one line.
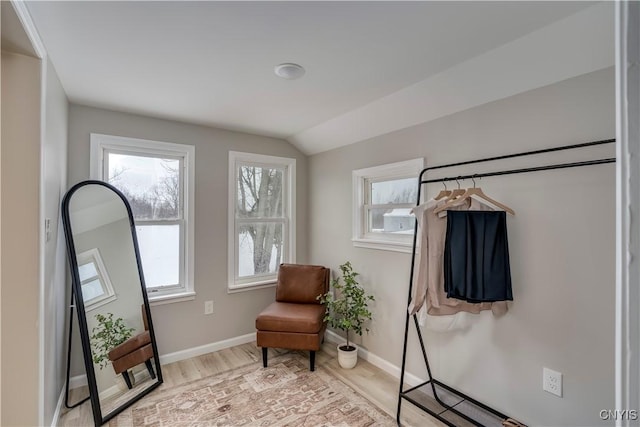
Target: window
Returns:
[[94, 280], [261, 218], [157, 178], [382, 200]]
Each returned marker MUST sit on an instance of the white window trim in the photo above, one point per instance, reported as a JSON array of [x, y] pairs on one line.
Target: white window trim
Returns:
[[290, 213], [100, 143], [398, 170], [93, 255]]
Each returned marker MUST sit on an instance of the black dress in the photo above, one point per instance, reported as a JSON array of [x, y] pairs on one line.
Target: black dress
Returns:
[[476, 256]]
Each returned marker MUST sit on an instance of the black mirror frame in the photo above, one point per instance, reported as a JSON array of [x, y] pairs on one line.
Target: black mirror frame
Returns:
[[80, 310]]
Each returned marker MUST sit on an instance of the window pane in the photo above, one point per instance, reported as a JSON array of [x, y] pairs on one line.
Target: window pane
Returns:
[[260, 248], [394, 191], [151, 184], [91, 290], [160, 253], [87, 271], [259, 192], [399, 221]]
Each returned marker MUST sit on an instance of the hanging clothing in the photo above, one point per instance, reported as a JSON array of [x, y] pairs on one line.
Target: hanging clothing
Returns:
[[476, 257], [428, 283]]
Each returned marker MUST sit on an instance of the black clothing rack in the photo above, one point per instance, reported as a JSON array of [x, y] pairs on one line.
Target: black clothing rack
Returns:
[[449, 401]]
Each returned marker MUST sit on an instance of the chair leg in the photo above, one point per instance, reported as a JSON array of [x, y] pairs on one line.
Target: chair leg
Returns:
[[264, 356], [127, 380], [150, 369], [312, 360]]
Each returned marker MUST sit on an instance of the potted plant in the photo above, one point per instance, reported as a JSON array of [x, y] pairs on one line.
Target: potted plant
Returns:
[[347, 310], [108, 334]]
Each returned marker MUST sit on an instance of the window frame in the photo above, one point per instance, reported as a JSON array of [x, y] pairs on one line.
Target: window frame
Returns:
[[362, 179], [93, 256], [236, 160], [102, 145]]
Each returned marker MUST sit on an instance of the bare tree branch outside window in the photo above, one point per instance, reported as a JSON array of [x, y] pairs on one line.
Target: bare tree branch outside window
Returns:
[[260, 198], [159, 201]]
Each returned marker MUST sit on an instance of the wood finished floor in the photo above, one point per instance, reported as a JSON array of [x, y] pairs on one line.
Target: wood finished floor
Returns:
[[371, 382]]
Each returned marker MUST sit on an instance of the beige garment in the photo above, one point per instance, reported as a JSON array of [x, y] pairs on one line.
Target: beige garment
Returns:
[[428, 283]]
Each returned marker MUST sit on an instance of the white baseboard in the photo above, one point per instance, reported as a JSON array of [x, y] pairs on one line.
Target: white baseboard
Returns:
[[56, 415], [207, 348], [77, 381], [388, 367]]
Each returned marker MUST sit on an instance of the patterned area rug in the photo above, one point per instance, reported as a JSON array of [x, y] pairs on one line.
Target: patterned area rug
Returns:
[[284, 394]]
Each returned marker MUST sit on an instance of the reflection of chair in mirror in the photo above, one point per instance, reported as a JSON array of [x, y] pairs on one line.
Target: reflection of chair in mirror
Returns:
[[295, 319], [133, 352]]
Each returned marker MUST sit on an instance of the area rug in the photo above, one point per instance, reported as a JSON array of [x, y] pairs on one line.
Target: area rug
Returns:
[[284, 394]]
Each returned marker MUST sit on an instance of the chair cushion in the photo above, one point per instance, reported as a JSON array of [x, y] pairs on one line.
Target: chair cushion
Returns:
[[301, 283], [288, 317]]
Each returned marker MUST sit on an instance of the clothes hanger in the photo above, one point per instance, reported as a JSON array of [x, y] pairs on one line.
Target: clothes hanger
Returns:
[[455, 193], [475, 191], [443, 193]]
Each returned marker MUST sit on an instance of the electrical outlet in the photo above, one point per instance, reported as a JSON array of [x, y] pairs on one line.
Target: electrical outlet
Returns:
[[208, 307], [552, 381]]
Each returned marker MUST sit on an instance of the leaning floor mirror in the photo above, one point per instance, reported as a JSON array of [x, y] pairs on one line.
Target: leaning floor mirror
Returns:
[[118, 342]]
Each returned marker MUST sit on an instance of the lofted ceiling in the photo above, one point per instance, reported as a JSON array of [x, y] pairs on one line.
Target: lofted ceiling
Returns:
[[212, 63]]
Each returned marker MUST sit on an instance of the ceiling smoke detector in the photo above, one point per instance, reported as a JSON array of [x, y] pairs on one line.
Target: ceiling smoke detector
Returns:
[[289, 71]]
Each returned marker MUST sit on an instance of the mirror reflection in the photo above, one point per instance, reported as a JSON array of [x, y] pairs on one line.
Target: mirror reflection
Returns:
[[115, 308]]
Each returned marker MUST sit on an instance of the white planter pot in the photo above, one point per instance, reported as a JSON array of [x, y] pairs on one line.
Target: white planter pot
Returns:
[[347, 359]]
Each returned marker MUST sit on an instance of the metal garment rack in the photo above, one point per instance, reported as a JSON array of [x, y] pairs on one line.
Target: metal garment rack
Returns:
[[440, 409]]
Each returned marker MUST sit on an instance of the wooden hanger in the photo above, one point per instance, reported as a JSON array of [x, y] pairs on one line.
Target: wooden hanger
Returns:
[[475, 191], [453, 194], [443, 193]]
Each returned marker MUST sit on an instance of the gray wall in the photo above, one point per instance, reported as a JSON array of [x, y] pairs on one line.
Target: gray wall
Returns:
[[561, 244], [54, 181], [183, 325]]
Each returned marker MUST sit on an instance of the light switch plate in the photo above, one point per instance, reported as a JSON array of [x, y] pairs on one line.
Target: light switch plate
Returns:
[[208, 307]]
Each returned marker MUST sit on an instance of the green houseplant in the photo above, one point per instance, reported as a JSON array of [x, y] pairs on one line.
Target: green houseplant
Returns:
[[348, 310], [108, 334]]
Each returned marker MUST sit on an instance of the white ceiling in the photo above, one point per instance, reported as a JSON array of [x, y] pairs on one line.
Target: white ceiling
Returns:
[[212, 62]]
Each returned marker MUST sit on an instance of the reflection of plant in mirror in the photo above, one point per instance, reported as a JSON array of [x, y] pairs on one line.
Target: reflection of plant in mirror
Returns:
[[108, 334]]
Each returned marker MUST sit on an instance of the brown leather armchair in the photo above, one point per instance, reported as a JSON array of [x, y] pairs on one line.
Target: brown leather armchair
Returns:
[[132, 352], [295, 319]]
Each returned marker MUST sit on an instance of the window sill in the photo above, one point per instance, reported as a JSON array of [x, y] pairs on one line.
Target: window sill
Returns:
[[383, 245], [232, 289], [171, 298]]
